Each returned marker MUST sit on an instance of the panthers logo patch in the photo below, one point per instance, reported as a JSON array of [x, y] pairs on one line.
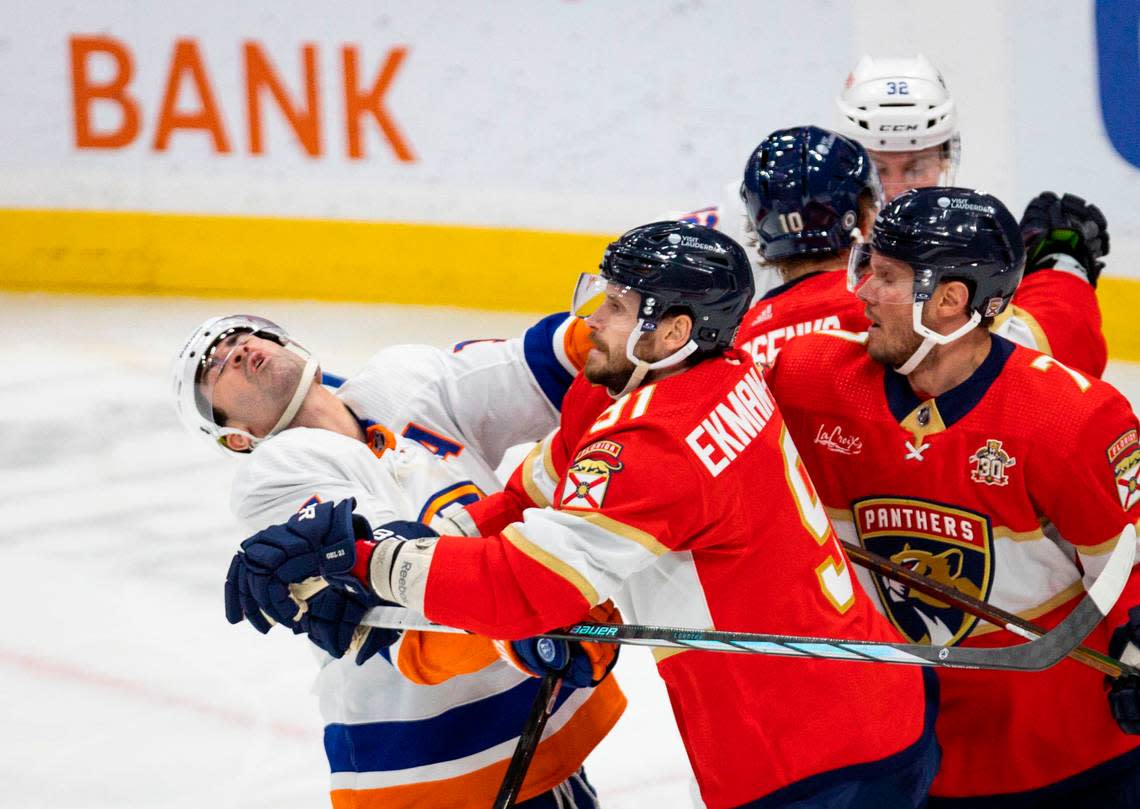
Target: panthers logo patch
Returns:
[[1124, 456], [589, 476], [950, 545]]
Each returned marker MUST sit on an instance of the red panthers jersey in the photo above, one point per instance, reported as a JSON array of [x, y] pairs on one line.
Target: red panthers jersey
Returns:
[[1054, 311], [686, 502], [1012, 487], [808, 304], [1062, 312]]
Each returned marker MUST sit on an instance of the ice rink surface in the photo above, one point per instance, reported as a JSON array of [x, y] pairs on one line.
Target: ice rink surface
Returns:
[[122, 683]]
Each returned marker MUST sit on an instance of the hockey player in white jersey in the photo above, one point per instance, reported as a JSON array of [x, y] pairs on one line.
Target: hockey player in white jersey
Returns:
[[900, 109], [418, 720]]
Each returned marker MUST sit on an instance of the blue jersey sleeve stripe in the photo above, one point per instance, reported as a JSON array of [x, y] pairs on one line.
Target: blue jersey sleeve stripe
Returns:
[[462, 731], [538, 348]]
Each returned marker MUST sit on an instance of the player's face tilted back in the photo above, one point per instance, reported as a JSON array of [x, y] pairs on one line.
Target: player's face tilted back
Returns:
[[902, 113], [251, 381], [240, 379]]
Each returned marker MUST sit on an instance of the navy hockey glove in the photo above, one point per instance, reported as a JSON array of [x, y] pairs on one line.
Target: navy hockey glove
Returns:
[[1124, 692], [580, 664], [1067, 226], [240, 604], [285, 562], [332, 622]]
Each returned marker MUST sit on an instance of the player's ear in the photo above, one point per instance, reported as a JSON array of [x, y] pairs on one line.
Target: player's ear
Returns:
[[675, 331], [953, 299], [237, 442]]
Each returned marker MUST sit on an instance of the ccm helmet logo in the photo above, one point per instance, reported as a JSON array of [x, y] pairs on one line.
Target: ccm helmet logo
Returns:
[[898, 127]]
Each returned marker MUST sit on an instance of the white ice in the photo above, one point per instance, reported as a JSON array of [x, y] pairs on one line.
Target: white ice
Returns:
[[122, 683]]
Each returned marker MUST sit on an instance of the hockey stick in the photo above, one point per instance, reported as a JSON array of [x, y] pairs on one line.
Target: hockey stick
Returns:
[[540, 711], [978, 608], [1035, 655]]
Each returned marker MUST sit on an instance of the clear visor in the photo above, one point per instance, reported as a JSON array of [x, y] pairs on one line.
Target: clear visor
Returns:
[[881, 279], [900, 171], [216, 358], [593, 291]]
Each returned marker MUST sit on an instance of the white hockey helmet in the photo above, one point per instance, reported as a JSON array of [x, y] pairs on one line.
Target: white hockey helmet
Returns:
[[899, 105], [194, 400]]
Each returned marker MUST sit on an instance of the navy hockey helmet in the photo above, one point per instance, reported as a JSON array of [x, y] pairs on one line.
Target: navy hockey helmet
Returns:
[[802, 188], [678, 265], [954, 233]]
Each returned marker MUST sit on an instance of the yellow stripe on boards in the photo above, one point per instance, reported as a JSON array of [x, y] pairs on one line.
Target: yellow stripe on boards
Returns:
[[220, 256], [1120, 309], [109, 253]]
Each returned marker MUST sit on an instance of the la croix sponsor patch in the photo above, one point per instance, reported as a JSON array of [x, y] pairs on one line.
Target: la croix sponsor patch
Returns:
[[589, 475], [1124, 457]]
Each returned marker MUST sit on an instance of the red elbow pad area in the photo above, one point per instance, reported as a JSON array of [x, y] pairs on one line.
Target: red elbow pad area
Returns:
[[487, 586]]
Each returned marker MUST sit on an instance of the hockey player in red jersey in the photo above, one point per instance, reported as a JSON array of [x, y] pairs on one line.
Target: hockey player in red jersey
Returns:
[[902, 112], [993, 468], [673, 488], [809, 195]]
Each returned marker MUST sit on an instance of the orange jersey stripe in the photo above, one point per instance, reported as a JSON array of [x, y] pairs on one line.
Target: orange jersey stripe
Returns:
[[556, 759]]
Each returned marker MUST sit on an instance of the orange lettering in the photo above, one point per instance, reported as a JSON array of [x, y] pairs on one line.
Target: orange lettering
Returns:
[[84, 91], [259, 74], [187, 61], [356, 103]]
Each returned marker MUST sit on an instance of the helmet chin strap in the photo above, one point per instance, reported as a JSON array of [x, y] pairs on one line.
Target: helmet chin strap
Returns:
[[931, 338], [641, 367], [306, 382], [289, 413]]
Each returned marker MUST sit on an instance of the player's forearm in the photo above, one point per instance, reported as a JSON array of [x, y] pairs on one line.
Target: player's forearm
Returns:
[[481, 584], [490, 515]]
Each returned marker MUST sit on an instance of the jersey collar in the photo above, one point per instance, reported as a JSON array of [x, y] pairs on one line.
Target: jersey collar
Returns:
[[378, 437], [925, 417], [782, 288]]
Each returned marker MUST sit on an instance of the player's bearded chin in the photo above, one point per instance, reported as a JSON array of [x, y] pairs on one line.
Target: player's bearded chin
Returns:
[[607, 367], [892, 345]]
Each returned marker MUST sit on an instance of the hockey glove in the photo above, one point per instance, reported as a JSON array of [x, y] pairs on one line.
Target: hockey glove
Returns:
[[332, 622], [286, 563], [1124, 692], [1069, 226], [580, 664], [240, 604]]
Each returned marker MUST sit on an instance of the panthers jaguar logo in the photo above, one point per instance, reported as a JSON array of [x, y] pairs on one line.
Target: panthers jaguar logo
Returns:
[[951, 545]]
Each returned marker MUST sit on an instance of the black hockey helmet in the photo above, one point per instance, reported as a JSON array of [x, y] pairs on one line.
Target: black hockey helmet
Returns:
[[679, 265], [802, 188], [954, 233]]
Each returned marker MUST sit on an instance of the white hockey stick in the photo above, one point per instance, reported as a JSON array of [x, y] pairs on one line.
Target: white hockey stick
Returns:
[[1035, 655]]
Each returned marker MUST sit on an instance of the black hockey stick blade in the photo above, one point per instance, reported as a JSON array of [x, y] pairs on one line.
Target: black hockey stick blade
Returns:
[[540, 711]]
